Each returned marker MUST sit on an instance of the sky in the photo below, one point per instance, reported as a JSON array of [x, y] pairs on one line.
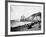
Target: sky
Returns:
[[16, 11]]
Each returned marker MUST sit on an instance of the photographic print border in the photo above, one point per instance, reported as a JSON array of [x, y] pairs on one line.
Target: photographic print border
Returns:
[[6, 17]]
